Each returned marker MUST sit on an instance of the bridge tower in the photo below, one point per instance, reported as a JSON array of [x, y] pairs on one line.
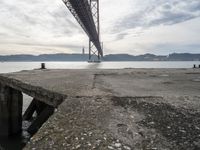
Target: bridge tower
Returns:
[[94, 54]]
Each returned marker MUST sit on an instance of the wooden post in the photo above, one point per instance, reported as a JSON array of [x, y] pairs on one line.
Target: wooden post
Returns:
[[11, 102]]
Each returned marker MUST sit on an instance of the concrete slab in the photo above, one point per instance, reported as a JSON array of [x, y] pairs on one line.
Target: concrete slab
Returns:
[[115, 109], [125, 82]]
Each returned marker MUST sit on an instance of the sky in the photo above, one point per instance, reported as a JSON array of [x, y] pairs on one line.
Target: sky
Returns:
[[127, 26]]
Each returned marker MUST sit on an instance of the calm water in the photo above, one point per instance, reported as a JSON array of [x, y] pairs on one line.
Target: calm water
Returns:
[[16, 143], [17, 66]]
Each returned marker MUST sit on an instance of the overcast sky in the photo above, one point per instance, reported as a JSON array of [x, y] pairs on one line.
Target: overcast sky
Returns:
[[127, 26]]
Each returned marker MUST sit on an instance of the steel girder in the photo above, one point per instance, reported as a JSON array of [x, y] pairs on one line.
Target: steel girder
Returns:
[[81, 10]]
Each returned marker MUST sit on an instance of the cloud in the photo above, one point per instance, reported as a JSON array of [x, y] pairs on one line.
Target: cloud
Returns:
[[52, 45], [159, 12], [35, 21], [121, 36], [127, 26]]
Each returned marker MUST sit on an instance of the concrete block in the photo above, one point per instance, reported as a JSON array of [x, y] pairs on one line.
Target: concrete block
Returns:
[[16, 111], [10, 111]]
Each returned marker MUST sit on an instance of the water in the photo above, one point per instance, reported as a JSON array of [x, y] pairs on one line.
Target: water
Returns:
[[6, 67]]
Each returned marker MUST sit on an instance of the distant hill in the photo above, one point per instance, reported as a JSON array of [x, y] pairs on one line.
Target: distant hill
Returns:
[[184, 56], [45, 57], [127, 57], [110, 57]]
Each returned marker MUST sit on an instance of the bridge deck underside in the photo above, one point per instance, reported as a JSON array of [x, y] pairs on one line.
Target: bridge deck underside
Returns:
[[82, 12]]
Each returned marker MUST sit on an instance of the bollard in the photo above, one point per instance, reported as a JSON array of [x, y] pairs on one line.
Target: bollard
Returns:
[[194, 66], [43, 66]]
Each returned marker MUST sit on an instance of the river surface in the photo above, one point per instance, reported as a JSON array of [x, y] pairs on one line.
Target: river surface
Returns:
[[16, 143], [17, 66]]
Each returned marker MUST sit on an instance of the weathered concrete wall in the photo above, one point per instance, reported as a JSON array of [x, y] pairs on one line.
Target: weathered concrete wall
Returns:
[[10, 111], [47, 96]]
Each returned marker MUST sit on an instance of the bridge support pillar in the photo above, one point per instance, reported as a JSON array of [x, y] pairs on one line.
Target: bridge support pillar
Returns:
[[94, 55], [11, 103]]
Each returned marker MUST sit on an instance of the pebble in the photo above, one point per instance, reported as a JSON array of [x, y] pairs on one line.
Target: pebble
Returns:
[[61, 129], [118, 144], [183, 131], [89, 144], [98, 142], [110, 147], [127, 148], [78, 146], [90, 133], [152, 123]]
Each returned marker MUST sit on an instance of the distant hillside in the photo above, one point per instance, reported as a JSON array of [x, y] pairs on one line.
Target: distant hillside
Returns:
[[184, 56], [119, 57], [45, 57], [126, 57], [110, 57]]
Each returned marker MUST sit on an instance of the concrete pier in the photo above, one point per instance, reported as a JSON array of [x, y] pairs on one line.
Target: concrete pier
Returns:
[[113, 109]]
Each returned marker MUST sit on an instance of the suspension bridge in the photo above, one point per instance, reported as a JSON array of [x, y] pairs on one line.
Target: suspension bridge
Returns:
[[86, 12]]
